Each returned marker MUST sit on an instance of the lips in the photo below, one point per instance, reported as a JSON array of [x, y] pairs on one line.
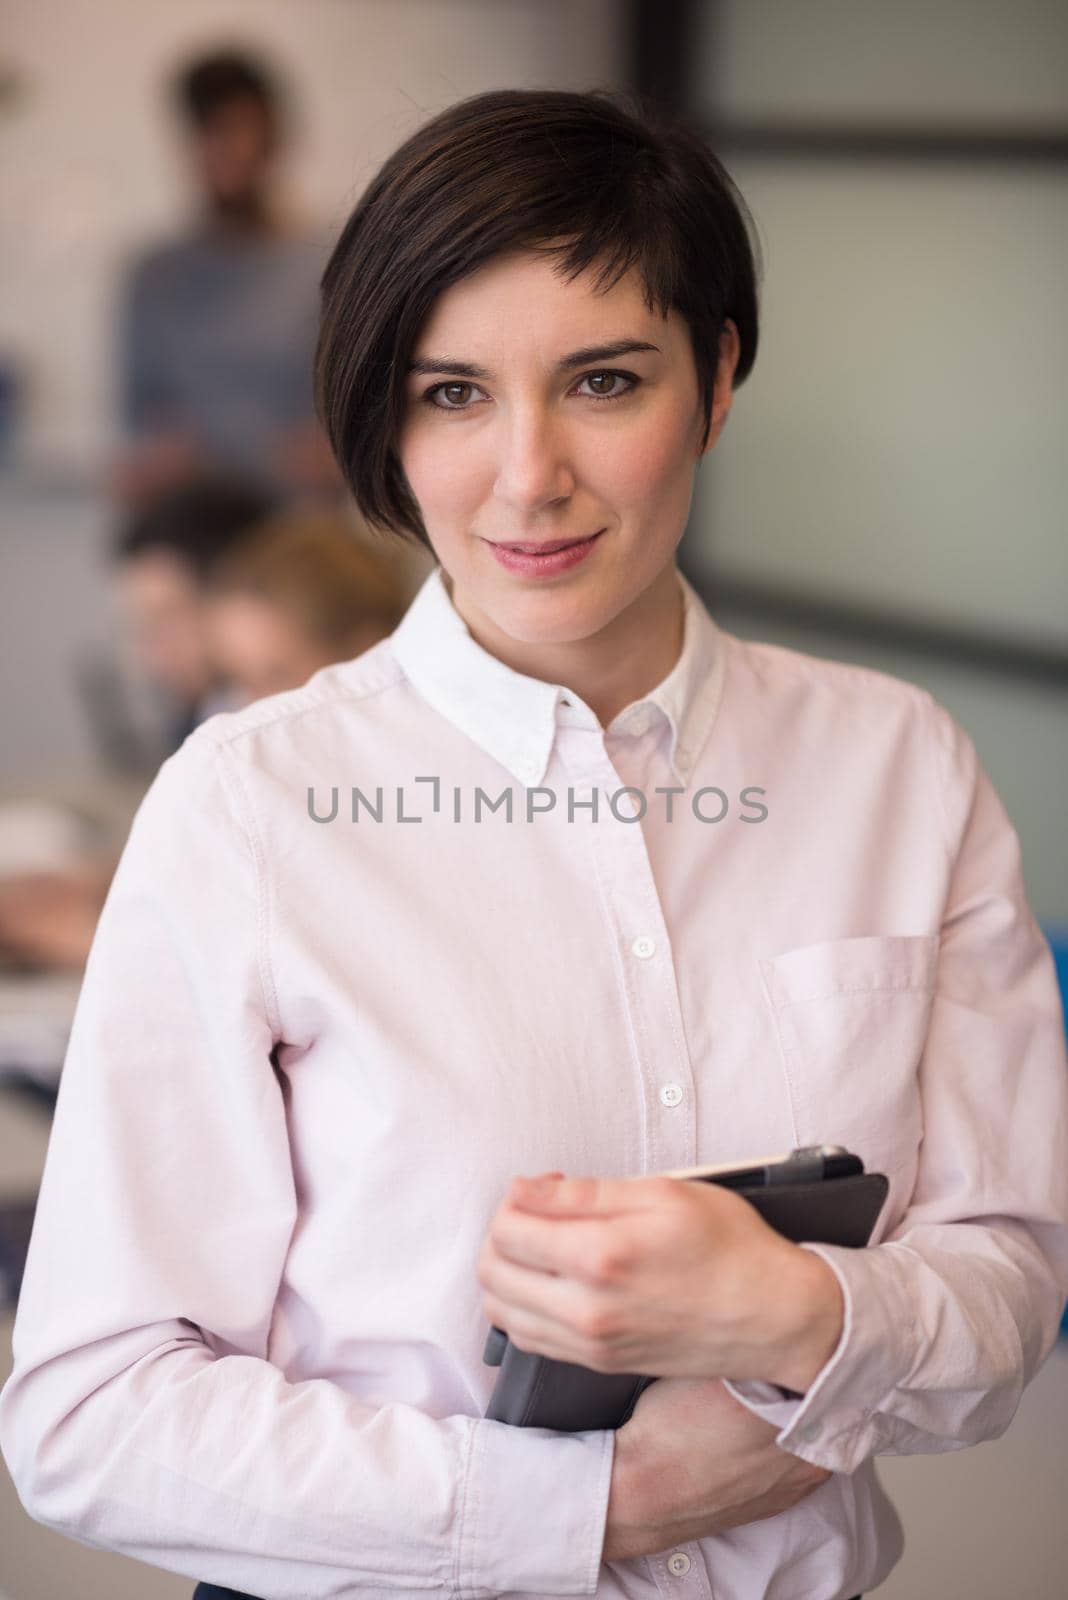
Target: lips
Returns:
[[544, 549], [550, 559]]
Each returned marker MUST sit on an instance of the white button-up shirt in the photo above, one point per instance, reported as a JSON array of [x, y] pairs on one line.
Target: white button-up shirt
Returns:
[[381, 943]]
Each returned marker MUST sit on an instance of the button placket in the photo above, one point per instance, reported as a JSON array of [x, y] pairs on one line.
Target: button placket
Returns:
[[681, 1574], [631, 899]]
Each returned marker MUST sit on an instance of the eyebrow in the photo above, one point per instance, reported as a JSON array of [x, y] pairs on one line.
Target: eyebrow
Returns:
[[577, 358]]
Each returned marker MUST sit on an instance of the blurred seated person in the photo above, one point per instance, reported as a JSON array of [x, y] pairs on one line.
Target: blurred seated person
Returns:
[[48, 916], [296, 592], [301, 591], [218, 326], [163, 555]]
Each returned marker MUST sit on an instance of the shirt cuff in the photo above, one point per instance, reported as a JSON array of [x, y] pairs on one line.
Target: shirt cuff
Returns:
[[534, 1509], [835, 1424]]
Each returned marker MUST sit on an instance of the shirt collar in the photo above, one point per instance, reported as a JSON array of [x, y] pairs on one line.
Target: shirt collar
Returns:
[[514, 717]]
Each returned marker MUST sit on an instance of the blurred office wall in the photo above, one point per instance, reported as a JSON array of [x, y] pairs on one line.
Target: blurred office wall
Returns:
[[900, 445]]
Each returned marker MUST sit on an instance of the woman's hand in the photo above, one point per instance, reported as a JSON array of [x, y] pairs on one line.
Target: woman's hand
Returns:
[[657, 1275], [691, 1462]]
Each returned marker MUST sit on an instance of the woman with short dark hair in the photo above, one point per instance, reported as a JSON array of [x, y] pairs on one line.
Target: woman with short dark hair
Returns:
[[559, 877], [593, 184]]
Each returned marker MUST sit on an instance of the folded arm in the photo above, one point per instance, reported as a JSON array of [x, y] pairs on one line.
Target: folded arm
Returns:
[[952, 1313], [142, 1414]]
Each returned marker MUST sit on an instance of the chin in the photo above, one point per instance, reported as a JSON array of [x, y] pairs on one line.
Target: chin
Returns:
[[551, 619]]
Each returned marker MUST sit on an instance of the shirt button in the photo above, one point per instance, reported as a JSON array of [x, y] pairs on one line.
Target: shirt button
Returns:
[[679, 1563], [644, 947], [671, 1094], [810, 1431]]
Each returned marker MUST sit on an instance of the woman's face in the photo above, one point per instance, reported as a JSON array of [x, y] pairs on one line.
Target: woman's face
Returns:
[[541, 411]]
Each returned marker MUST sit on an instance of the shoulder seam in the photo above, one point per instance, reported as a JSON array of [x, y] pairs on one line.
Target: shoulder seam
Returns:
[[232, 782], [797, 662], [937, 747], [224, 739]]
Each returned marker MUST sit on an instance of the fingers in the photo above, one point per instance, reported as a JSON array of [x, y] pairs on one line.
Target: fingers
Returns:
[[592, 1197], [583, 1250]]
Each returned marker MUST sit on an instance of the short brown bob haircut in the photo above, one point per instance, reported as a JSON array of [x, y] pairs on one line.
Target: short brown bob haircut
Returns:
[[601, 179]]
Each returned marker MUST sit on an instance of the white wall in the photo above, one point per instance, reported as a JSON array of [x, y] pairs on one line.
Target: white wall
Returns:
[[902, 435]]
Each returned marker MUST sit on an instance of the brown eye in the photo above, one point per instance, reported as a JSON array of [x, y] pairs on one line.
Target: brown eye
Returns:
[[602, 384], [455, 393]]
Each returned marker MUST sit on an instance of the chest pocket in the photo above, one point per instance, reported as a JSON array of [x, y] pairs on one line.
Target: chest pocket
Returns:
[[852, 1017]]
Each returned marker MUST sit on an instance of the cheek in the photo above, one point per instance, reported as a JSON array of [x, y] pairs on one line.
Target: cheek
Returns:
[[445, 474], [650, 462]]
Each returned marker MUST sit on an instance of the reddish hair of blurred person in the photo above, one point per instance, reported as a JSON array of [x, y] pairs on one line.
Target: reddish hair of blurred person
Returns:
[[302, 591]]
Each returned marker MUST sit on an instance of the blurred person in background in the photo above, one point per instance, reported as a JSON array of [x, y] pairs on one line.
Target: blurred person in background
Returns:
[[218, 326], [48, 915], [164, 557], [225, 604], [300, 592], [164, 554]]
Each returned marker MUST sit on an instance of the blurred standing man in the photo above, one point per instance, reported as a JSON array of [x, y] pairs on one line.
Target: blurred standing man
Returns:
[[218, 326]]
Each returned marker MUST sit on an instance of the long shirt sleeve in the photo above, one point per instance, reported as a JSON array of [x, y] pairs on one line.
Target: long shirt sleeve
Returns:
[[142, 1414], [952, 1313]]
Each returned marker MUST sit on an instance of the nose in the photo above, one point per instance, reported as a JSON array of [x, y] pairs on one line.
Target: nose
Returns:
[[534, 467]]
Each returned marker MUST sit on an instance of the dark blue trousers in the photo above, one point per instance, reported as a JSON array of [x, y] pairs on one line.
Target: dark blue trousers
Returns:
[[211, 1591]]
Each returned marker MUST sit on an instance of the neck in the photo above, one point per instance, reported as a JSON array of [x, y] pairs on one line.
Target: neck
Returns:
[[621, 663], [243, 214]]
